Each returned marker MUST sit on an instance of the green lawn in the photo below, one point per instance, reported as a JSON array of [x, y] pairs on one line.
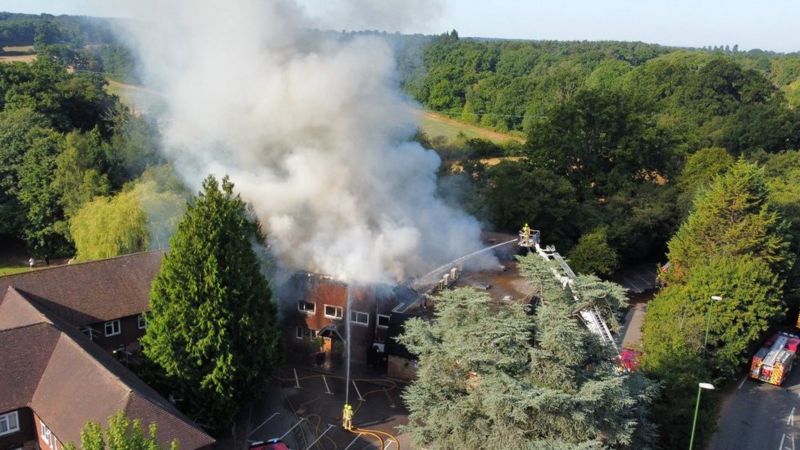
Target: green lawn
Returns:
[[8, 270], [440, 127]]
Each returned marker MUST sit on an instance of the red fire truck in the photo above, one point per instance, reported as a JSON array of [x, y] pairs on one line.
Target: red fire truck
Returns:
[[773, 362]]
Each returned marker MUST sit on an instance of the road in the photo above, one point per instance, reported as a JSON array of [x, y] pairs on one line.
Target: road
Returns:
[[760, 416]]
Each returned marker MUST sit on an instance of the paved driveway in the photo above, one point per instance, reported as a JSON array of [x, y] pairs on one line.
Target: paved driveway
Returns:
[[760, 416], [304, 407]]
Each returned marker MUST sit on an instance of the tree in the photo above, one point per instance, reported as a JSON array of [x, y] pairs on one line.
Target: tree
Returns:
[[733, 217], [600, 140], [212, 326], [80, 171], [593, 255], [143, 216], [107, 227], [782, 171], [733, 245], [674, 334], [121, 434], [517, 193], [751, 303], [700, 169], [17, 130], [488, 373], [46, 231]]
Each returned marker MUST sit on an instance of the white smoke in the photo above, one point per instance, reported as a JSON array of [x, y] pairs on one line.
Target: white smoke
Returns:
[[313, 131]]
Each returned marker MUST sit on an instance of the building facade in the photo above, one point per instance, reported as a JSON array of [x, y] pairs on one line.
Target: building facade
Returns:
[[315, 311], [65, 331]]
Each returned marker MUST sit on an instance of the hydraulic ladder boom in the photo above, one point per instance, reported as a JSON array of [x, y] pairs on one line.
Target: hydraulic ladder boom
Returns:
[[590, 316]]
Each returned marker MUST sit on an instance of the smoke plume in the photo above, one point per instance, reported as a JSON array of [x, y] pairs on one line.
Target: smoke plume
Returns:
[[311, 128]]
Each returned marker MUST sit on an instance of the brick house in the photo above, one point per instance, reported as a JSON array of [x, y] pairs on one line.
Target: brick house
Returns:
[[103, 299], [316, 306], [56, 374]]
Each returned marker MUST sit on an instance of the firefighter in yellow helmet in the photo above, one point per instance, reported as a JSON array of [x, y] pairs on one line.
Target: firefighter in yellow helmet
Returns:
[[347, 417]]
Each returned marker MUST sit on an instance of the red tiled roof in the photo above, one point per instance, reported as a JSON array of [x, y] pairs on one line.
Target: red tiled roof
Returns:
[[22, 366], [68, 380], [92, 292], [16, 311]]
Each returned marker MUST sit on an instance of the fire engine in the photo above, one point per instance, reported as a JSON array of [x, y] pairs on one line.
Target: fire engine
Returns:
[[773, 362]]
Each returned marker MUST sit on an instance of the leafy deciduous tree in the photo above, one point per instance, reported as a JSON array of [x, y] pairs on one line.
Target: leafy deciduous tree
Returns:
[[121, 434], [592, 254]]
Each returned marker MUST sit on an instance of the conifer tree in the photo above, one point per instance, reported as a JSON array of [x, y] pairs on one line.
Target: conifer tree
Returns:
[[492, 375], [733, 245], [734, 216], [212, 327]]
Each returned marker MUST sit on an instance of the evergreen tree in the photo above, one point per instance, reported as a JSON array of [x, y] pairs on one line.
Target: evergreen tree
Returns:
[[699, 171], [490, 375], [734, 216], [212, 327], [734, 245], [751, 304]]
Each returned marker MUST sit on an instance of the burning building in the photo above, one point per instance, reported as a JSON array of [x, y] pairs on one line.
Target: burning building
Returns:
[[316, 308]]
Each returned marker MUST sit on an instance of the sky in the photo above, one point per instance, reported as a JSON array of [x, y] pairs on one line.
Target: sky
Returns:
[[690, 23]]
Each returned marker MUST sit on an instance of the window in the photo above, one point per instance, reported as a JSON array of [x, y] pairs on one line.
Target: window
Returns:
[[9, 423], [383, 321], [334, 312], [306, 307], [90, 332], [359, 318], [142, 322], [48, 436], [113, 328], [303, 332]]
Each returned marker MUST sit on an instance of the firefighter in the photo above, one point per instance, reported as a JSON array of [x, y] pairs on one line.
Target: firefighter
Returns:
[[525, 236], [347, 417]]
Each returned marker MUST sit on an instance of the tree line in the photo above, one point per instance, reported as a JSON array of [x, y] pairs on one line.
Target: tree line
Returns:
[[636, 152], [82, 43], [69, 150], [609, 129]]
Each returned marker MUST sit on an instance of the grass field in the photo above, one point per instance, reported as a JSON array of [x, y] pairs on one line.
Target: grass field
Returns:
[[438, 126], [137, 97], [8, 270], [19, 54]]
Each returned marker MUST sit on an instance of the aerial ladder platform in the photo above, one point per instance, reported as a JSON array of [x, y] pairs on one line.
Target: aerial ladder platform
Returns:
[[590, 316]]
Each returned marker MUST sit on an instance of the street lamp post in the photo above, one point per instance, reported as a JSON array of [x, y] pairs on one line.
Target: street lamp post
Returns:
[[714, 298], [700, 387]]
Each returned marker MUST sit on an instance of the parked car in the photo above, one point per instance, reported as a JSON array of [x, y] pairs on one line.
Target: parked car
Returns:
[[272, 444]]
